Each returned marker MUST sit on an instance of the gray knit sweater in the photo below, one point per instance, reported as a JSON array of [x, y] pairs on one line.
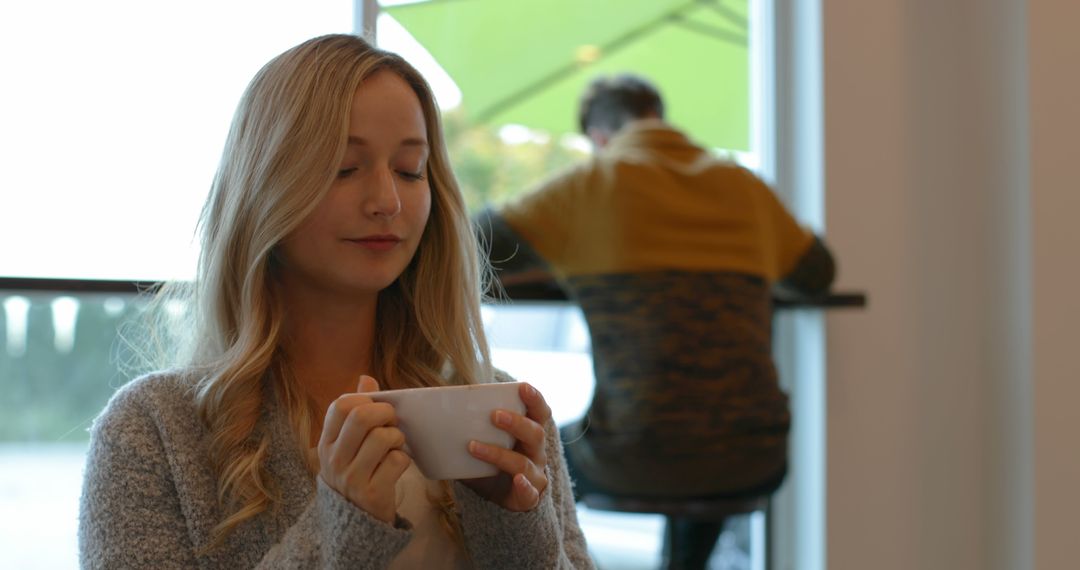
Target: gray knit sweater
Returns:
[[149, 500]]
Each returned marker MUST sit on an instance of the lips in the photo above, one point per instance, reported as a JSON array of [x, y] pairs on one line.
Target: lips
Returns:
[[376, 242]]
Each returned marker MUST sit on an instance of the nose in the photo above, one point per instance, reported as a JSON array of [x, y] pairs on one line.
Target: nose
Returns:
[[382, 198]]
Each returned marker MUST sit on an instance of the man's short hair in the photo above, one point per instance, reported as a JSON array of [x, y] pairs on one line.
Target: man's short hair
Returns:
[[611, 102]]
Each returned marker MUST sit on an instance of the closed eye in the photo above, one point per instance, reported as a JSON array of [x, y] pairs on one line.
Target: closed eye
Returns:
[[346, 172], [411, 176]]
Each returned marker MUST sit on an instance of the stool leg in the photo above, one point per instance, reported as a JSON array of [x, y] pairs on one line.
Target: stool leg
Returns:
[[689, 543]]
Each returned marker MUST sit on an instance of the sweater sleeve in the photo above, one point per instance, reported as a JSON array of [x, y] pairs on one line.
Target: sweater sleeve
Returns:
[[132, 515], [334, 533], [547, 537], [547, 216], [783, 238]]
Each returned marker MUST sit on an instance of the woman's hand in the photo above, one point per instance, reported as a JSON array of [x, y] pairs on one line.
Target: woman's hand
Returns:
[[360, 453], [524, 468]]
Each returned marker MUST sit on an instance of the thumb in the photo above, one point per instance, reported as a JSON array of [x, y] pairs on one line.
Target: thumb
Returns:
[[367, 384]]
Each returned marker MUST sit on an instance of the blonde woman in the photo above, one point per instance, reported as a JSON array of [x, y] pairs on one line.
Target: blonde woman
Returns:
[[337, 259]]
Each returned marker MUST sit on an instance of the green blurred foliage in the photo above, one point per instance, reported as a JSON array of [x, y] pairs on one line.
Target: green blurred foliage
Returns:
[[492, 171], [49, 393]]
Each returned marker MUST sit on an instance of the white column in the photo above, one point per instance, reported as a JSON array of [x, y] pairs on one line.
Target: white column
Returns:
[[365, 13], [800, 520]]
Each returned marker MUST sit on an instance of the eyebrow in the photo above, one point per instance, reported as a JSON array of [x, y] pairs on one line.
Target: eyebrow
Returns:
[[412, 141]]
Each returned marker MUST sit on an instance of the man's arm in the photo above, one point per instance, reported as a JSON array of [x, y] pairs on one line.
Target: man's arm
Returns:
[[513, 259], [813, 273]]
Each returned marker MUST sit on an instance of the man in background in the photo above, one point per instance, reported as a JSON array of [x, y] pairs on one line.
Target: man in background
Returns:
[[673, 255]]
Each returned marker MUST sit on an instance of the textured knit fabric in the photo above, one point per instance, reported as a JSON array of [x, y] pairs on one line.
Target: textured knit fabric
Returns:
[[687, 401], [431, 546], [150, 501], [671, 254]]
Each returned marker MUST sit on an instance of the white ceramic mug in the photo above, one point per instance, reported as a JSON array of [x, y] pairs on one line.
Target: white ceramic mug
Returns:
[[439, 422]]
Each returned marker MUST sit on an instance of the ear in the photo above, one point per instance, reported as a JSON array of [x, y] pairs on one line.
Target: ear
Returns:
[[599, 137]]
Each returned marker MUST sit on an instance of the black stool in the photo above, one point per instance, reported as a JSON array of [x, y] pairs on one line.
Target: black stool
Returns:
[[697, 509]]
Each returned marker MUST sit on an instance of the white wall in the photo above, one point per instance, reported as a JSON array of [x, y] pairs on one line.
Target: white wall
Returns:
[[955, 216]]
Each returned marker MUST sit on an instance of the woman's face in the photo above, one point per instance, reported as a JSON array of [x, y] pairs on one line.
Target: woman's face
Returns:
[[365, 231]]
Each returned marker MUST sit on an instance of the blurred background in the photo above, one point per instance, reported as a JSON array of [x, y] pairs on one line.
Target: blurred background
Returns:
[[115, 115], [931, 142]]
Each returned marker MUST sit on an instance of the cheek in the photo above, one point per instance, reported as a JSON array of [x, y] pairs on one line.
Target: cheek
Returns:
[[303, 233], [303, 241], [288, 251], [297, 245], [422, 207]]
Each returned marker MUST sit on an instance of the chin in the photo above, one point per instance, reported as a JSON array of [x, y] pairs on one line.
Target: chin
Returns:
[[366, 278], [372, 284]]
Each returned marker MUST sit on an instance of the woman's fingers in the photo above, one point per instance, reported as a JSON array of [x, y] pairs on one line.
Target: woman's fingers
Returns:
[[348, 423], [512, 463], [359, 451], [535, 406], [339, 412], [526, 495], [335, 416], [506, 460], [390, 470], [529, 434], [528, 429], [526, 464], [519, 485], [341, 407], [367, 384], [378, 465], [378, 443]]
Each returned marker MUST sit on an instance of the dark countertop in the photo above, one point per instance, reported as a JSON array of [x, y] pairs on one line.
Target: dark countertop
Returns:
[[549, 291], [526, 292]]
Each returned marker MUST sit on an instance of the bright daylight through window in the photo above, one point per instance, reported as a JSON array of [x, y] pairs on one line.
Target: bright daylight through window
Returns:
[[112, 120], [113, 117]]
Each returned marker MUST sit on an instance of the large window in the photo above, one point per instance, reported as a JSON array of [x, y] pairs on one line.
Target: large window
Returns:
[[112, 119], [508, 75], [113, 116]]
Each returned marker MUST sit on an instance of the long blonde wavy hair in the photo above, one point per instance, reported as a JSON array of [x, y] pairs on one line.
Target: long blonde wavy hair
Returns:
[[288, 136]]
